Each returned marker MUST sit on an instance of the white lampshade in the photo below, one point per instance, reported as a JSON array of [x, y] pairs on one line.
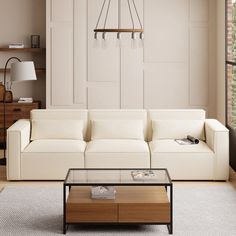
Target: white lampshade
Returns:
[[21, 71]]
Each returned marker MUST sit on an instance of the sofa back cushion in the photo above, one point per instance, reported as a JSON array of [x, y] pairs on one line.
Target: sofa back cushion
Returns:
[[121, 117], [57, 129], [173, 114], [63, 118], [117, 129], [175, 129]]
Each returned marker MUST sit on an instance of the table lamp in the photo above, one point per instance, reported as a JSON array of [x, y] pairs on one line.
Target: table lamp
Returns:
[[20, 71]]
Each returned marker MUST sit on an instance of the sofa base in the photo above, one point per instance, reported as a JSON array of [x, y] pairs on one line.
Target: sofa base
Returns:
[[45, 167]]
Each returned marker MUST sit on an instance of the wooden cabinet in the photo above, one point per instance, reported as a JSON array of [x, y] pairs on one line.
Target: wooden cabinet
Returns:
[[13, 112]]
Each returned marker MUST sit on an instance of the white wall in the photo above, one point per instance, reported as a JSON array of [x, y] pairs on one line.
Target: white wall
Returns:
[[19, 20], [179, 54], [176, 68]]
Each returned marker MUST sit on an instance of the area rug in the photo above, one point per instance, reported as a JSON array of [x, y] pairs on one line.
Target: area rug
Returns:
[[198, 211]]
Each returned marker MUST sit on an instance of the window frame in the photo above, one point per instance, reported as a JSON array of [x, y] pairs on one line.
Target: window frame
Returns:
[[232, 130], [227, 62]]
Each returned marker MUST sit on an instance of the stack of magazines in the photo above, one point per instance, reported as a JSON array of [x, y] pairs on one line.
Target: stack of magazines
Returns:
[[187, 141], [16, 45], [143, 175], [25, 100], [103, 192]]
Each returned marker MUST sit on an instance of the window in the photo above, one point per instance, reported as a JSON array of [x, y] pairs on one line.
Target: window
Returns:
[[231, 77], [231, 63]]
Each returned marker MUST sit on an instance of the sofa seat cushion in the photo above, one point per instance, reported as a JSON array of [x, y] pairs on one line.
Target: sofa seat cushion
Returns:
[[56, 145], [51, 159], [189, 162], [117, 153]]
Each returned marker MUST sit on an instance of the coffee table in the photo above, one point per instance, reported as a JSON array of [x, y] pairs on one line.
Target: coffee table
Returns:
[[146, 201]]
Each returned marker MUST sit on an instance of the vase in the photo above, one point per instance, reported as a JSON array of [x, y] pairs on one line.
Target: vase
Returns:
[[2, 92], [8, 97]]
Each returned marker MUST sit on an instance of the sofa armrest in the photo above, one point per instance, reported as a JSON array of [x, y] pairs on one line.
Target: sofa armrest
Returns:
[[217, 138], [18, 137]]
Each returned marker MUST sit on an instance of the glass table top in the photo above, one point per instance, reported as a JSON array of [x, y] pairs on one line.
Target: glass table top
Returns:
[[117, 177]]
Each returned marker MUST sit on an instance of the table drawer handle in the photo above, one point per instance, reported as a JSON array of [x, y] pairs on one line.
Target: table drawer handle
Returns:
[[17, 109]]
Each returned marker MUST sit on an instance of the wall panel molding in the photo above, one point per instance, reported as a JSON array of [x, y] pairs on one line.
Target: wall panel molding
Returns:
[[199, 66], [80, 53], [174, 69]]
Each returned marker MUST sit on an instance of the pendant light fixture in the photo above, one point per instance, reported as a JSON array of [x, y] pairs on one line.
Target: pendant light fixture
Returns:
[[133, 30]]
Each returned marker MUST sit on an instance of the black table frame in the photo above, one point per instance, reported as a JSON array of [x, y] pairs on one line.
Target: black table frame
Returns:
[[166, 185]]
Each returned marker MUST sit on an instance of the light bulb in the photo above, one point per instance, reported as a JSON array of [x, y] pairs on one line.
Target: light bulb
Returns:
[[141, 41], [96, 42], [119, 40], [133, 41], [104, 36], [104, 41], [141, 35], [133, 35], [118, 35]]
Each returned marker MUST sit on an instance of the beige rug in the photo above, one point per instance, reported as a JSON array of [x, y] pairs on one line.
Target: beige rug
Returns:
[[200, 211]]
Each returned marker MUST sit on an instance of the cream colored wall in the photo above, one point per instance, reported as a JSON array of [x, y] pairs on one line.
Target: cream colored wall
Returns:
[[18, 20], [180, 54], [220, 60], [175, 69], [147, 88]]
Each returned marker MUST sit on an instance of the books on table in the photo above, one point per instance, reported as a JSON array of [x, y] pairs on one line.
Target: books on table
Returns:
[[25, 100], [103, 192], [16, 45], [187, 141], [143, 175], [183, 141]]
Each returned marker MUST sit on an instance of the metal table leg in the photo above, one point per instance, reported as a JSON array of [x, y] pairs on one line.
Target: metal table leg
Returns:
[[170, 226], [64, 209]]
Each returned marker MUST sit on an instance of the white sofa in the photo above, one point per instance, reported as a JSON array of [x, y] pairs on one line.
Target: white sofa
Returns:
[[52, 141]]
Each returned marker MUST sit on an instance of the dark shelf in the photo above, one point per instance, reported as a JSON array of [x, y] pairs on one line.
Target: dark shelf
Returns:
[[22, 49]]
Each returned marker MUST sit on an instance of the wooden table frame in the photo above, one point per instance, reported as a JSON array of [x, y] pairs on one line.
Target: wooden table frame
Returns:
[[166, 185]]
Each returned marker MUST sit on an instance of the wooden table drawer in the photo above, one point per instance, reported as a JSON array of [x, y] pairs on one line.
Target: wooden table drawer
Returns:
[[17, 116], [156, 213], [82, 213], [19, 107]]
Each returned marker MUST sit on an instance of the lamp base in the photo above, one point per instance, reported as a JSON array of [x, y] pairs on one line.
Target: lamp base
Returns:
[[3, 162], [8, 96]]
